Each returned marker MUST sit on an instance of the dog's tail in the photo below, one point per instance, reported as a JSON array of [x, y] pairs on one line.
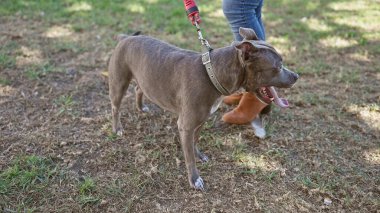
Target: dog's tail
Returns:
[[123, 36]]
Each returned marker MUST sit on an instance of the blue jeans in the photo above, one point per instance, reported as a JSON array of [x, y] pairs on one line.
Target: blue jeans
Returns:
[[244, 13]]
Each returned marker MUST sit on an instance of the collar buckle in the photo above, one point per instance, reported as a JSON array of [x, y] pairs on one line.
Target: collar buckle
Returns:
[[206, 60]]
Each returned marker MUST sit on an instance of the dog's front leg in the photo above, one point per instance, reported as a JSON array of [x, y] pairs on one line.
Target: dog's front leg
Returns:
[[187, 143]]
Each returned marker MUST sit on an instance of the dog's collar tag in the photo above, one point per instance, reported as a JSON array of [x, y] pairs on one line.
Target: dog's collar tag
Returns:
[[207, 63]]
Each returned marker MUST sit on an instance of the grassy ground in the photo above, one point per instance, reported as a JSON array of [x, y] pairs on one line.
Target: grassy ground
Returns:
[[57, 153]]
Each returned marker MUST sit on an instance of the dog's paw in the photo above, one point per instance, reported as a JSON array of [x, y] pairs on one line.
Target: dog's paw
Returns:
[[199, 184], [259, 132], [119, 132], [145, 109], [204, 158], [258, 129]]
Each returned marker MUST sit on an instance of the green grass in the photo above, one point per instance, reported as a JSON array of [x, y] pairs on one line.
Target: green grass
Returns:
[[87, 186], [115, 188], [6, 61], [38, 71], [152, 17], [111, 136], [374, 107], [348, 77], [65, 105], [306, 181], [7, 57], [27, 173], [4, 81], [87, 189], [71, 46]]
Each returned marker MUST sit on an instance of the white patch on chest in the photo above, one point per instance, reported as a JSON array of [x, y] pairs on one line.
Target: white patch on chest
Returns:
[[216, 105]]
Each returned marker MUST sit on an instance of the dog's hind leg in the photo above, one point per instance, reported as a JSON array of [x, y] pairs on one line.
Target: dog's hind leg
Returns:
[[116, 96], [139, 96], [198, 153], [118, 83]]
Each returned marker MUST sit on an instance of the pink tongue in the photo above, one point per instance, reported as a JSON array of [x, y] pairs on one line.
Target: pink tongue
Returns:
[[281, 102]]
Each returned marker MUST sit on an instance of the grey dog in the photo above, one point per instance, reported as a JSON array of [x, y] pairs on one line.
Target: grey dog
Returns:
[[176, 80]]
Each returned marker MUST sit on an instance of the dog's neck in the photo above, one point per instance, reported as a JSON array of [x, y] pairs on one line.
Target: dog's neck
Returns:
[[228, 68]]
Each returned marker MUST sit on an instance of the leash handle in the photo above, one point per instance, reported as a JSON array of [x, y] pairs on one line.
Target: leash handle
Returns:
[[192, 11], [193, 15]]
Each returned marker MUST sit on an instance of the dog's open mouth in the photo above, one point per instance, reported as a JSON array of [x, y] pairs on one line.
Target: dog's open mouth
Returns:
[[269, 94]]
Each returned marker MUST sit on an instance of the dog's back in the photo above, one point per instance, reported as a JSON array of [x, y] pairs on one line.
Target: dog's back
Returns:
[[123, 36], [157, 66]]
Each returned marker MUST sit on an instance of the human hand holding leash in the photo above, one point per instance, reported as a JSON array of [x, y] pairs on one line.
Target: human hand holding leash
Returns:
[[192, 11]]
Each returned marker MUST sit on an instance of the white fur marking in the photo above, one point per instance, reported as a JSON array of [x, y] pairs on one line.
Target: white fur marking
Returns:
[[145, 109], [119, 132], [204, 158], [199, 184], [258, 129]]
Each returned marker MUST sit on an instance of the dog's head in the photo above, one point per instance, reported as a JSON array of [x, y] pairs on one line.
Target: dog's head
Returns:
[[262, 63]]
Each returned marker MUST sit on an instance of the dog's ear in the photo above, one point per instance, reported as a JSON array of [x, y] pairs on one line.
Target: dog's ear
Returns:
[[248, 33], [246, 49]]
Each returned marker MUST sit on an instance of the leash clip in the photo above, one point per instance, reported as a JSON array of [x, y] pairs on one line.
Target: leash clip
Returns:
[[206, 60], [204, 42]]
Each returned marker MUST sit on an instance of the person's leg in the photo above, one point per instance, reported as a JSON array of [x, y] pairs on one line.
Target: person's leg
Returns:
[[244, 13], [258, 16]]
